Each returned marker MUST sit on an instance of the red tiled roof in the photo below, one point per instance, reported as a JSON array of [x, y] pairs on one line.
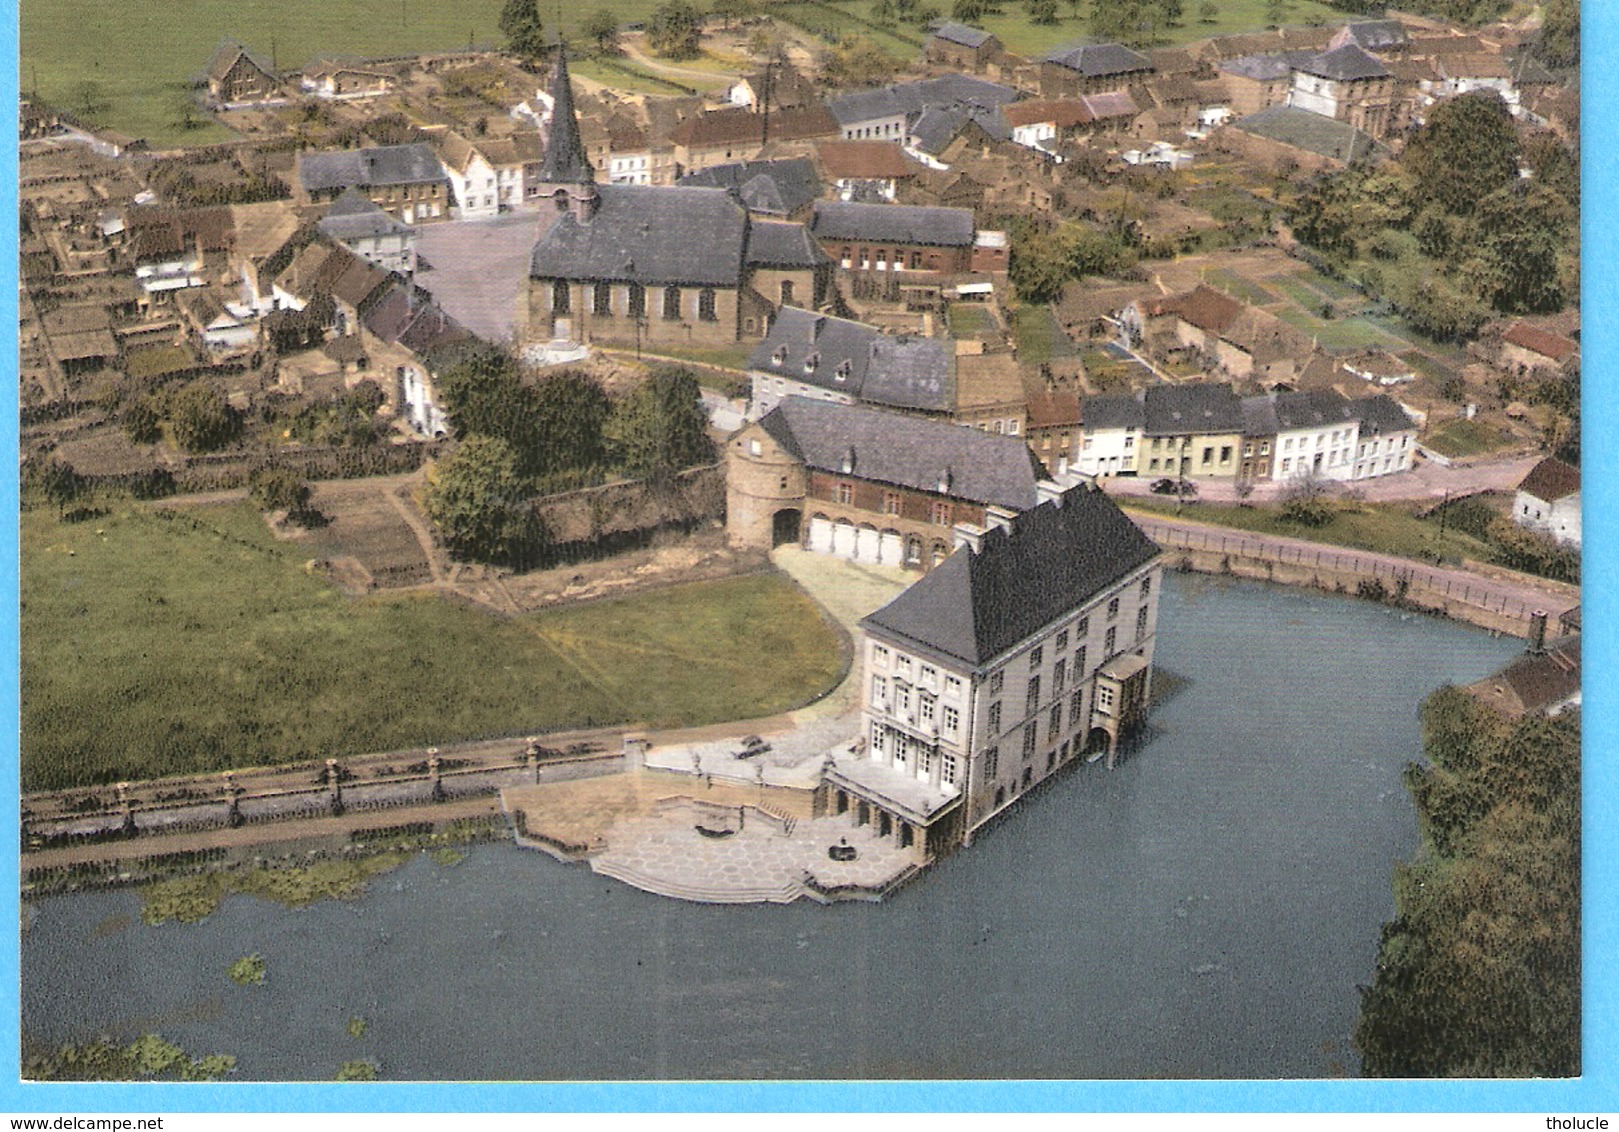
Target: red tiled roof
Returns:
[[1205, 308], [1535, 340], [866, 159], [1053, 409], [1063, 112], [1551, 480], [720, 127]]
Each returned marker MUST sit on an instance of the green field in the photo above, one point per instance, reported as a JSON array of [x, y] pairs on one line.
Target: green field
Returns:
[[1389, 529], [155, 645], [1466, 438], [142, 55]]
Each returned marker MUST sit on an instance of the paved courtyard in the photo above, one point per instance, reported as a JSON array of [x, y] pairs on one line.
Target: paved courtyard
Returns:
[[477, 270]]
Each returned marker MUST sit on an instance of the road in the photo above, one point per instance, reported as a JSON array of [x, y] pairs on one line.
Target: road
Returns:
[[1427, 481]]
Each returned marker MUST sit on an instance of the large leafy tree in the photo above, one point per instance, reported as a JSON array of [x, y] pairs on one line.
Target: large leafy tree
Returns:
[[1467, 150], [1479, 974], [200, 419], [480, 504], [856, 61], [520, 24], [675, 29], [1559, 42], [569, 412], [1516, 249], [660, 427], [553, 426]]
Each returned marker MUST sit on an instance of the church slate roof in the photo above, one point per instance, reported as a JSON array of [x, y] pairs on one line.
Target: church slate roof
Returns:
[[781, 243], [1267, 67], [413, 164], [900, 371], [1056, 557], [894, 223], [649, 234], [906, 451], [565, 161]]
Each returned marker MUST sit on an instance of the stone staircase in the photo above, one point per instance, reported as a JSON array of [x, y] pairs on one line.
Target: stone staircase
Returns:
[[700, 894]]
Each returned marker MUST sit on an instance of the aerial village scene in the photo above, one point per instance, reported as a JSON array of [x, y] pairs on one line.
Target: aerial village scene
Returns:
[[799, 539]]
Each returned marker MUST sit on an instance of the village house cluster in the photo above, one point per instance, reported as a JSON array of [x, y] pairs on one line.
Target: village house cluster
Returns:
[[845, 257]]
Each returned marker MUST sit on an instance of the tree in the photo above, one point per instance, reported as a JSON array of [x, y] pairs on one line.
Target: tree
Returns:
[[54, 479], [1208, 12], [660, 427], [856, 61], [601, 28], [520, 24], [200, 419], [882, 12], [1306, 501], [733, 11], [1170, 12], [143, 422], [1467, 150], [479, 504], [279, 489], [1276, 12], [1517, 240], [1131, 22], [570, 410], [1042, 12], [675, 29], [968, 11], [1559, 42]]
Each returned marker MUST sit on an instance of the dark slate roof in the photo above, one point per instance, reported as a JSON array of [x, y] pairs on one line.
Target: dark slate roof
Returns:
[[1100, 60], [1311, 409], [901, 371], [1176, 410], [565, 162], [1056, 557], [1380, 414], [1377, 35], [781, 243], [1312, 133], [952, 32], [936, 128], [1551, 480], [912, 99], [412, 164], [894, 223], [1259, 417], [354, 216], [1113, 412], [779, 187], [1345, 63], [907, 451], [1267, 67], [649, 234]]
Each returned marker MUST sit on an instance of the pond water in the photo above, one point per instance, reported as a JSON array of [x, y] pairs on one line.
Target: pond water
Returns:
[[1204, 910]]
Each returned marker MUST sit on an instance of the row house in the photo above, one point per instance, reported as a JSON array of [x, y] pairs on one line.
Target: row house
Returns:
[[812, 355], [736, 134], [890, 113], [1030, 648], [1053, 432], [1111, 428], [895, 237], [1298, 435], [990, 395], [405, 181], [1190, 431], [1387, 440], [868, 171], [868, 484], [367, 231]]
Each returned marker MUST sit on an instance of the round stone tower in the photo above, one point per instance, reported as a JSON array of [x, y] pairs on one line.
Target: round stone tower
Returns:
[[765, 487]]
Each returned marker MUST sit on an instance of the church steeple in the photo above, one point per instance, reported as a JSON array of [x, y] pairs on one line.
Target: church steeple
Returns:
[[565, 161]]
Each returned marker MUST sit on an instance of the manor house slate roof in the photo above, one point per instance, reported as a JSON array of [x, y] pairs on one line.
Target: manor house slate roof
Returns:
[[906, 451], [1180, 410], [1100, 60], [1344, 64], [1055, 558], [1268, 67], [650, 234], [894, 224], [901, 371], [412, 164], [779, 187], [1313, 133], [1374, 35], [952, 32]]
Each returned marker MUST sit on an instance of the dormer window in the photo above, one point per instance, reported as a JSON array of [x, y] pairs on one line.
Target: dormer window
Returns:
[[811, 362], [779, 356], [844, 367]]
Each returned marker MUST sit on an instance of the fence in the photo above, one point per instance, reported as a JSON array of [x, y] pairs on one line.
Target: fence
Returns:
[[1472, 593]]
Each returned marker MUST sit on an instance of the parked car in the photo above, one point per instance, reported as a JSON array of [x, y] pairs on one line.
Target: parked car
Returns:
[[1168, 486]]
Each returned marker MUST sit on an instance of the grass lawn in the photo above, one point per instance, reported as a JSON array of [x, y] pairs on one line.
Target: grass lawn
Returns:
[[141, 55], [972, 320], [1362, 526], [155, 646], [1339, 335], [1245, 289], [1039, 337], [1466, 438], [625, 75]]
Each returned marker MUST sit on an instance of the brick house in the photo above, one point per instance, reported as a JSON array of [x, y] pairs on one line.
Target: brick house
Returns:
[[405, 181], [962, 47], [1069, 72], [893, 237]]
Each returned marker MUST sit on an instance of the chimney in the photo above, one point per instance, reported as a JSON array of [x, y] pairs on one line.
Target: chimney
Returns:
[[848, 461], [1048, 491], [947, 480], [970, 536], [1537, 633], [998, 517]]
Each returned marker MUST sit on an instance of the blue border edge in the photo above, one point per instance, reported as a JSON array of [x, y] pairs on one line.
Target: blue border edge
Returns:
[[1593, 1092]]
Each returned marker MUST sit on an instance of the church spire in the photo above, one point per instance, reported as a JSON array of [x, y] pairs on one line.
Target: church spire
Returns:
[[565, 162]]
